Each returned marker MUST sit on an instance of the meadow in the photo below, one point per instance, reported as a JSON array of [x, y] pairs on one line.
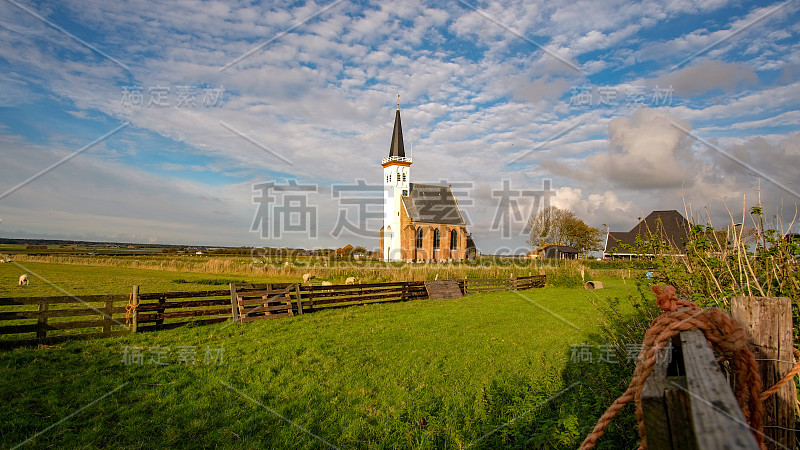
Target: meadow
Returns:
[[276, 270], [484, 371]]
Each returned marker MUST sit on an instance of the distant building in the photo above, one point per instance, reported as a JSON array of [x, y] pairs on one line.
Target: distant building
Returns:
[[344, 251], [670, 227], [472, 250], [552, 251], [421, 222]]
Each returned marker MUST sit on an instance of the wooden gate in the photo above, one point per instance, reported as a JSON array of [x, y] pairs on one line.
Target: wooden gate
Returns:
[[264, 304]]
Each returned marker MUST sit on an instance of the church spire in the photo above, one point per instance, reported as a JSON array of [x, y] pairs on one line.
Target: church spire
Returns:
[[397, 148]]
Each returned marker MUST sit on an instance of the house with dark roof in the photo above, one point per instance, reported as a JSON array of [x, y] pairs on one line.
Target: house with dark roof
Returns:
[[670, 227], [421, 222], [553, 251]]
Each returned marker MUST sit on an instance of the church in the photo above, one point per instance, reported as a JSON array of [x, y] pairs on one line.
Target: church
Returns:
[[421, 222]]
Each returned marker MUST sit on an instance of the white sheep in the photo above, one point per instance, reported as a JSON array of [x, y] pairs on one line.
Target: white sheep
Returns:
[[327, 283], [350, 280], [23, 279], [307, 277]]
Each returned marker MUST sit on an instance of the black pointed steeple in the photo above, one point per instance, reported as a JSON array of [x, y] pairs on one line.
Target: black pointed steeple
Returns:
[[397, 148]]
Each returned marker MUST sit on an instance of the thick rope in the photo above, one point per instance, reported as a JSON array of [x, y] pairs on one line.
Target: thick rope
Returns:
[[129, 309], [725, 336]]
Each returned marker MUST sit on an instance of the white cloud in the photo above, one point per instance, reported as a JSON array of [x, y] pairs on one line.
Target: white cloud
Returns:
[[708, 75], [647, 150]]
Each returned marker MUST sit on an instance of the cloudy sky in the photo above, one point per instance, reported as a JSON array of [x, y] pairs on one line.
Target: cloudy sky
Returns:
[[233, 123]]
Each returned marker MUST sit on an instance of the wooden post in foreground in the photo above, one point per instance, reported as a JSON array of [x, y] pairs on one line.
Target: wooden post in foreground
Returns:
[[696, 410], [768, 321]]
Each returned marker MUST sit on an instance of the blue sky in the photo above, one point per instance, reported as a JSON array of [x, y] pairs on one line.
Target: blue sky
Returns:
[[623, 107]]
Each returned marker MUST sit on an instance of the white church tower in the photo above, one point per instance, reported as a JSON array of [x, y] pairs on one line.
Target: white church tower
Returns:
[[396, 179]]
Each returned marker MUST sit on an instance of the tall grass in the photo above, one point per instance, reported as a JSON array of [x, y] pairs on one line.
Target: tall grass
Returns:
[[559, 273]]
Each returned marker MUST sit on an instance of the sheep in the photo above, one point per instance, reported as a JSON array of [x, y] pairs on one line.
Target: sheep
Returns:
[[287, 264], [307, 277], [327, 283], [23, 279], [350, 280]]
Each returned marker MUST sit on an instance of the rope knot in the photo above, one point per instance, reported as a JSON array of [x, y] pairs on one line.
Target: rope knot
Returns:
[[667, 299]]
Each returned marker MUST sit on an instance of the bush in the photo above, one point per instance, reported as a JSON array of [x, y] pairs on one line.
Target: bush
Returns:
[[621, 264], [565, 277]]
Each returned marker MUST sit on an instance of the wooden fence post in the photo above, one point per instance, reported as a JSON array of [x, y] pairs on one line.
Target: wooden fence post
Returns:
[[135, 303], [41, 329], [234, 304], [768, 321], [696, 410], [160, 322], [299, 298]]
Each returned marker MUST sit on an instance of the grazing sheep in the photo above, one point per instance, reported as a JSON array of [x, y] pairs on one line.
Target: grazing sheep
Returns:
[[327, 283], [23, 279], [350, 280], [307, 277]]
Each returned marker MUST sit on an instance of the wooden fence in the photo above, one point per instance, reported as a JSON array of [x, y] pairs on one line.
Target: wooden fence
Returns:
[[167, 310], [47, 320], [317, 298], [687, 402], [473, 285]]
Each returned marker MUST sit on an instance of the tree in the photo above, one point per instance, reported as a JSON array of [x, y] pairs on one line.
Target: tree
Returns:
[[558, 226], [545, 226]]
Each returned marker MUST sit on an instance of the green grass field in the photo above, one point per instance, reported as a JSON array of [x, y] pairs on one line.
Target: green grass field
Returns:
[[59, 279], [422, 374], [487, 370]]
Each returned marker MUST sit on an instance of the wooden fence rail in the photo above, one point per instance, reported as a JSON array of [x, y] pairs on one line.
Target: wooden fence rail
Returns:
[[48, 320], [157, 311], [45, 320], [687, 402]]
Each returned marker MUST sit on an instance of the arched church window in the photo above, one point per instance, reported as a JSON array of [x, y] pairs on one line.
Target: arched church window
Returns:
[[436, 237], [419, 237], [453, 240]]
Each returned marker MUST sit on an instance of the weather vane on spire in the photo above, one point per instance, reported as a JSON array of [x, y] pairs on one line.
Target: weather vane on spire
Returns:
[[398, 102]]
